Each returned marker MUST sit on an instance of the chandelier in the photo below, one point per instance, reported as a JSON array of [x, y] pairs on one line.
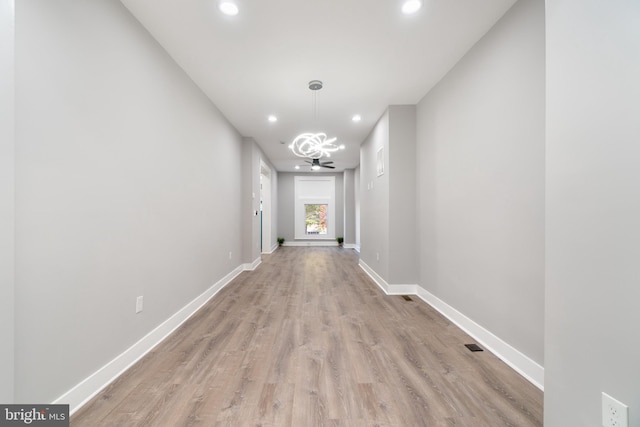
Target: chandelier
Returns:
[[314, 145]]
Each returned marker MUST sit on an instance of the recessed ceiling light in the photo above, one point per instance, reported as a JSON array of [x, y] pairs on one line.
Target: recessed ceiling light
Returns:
[[411, 6], [342, 146], [228, 8], [356, 118], [297, 167], [272, 118]]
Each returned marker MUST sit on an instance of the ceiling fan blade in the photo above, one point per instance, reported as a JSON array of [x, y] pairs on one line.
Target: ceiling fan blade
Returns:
[[326, 166], [326, 163]]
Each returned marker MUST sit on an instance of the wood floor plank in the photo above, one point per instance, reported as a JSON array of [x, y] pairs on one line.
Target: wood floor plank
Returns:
[[307, 339]]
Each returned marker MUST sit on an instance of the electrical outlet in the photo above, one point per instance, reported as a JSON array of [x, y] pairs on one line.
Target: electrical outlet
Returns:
[[230, 255], [614, 413], [138, 305], [377, 256]]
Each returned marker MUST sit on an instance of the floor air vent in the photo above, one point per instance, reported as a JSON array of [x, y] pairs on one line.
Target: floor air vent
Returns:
[[407, 298], [473, 347]]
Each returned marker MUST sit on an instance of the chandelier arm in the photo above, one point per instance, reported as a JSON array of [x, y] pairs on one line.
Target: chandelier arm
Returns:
[[313, 146]]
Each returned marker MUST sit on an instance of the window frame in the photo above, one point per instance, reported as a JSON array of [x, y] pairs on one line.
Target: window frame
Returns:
[[302, 197]]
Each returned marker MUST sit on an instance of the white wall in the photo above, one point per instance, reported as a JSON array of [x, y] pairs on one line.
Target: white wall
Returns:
[[128, 183], [593, 209], [7, 202], [480, 153]]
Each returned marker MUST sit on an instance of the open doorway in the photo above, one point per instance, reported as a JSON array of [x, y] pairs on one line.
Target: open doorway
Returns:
[[265, 207]]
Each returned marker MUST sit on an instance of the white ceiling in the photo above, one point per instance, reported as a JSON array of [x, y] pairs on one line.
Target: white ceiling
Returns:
[[367, 53]]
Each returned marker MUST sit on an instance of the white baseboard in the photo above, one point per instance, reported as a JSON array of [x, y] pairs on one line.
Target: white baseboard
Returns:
[[96, 382], [271, 249], [521, 363], [252, 266], [518, 361], [382, 284], [313, 243], [350, 246], [387, 288]]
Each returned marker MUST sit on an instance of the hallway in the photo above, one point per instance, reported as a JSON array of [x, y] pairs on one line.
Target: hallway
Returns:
[[307, 339]]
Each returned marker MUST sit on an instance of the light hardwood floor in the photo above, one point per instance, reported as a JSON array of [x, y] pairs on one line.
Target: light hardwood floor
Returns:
[[307, 339]]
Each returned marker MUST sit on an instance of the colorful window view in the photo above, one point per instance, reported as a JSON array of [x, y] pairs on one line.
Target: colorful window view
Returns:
[[316, 219]]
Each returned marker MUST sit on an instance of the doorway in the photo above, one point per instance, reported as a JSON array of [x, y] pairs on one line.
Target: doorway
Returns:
[[265, 207]]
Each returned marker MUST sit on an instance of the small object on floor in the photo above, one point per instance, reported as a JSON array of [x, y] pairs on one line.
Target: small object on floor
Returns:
[[473, 347], [407, 298]]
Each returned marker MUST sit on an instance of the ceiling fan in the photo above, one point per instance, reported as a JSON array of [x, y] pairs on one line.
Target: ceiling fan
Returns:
[[315, 164]]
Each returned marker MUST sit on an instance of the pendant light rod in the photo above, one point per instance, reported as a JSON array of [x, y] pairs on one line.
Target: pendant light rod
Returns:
[[315, 86]]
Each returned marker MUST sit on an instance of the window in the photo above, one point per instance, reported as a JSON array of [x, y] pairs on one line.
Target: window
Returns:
[[314, 207], [315, 219]]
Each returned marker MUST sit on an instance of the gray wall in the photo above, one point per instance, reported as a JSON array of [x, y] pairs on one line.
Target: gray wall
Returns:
[[403, 226], [592, 210], [251, 155], [274, 203], [7, 204], [374, 200], [128, 183], [250, 249], [388, 202], [480, 154], [349, 207], [356, 184], [286, 199], [286, 219]]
